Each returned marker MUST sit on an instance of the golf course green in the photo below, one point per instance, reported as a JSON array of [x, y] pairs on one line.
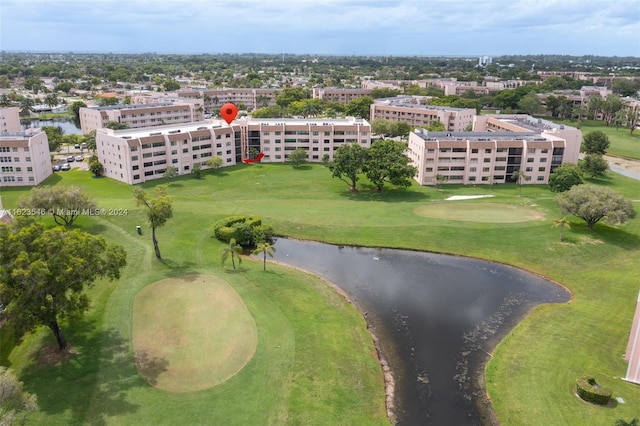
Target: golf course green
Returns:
[[314, 360]]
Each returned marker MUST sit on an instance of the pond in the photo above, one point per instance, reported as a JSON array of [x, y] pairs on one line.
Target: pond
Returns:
[[437, 318], [67, 124]]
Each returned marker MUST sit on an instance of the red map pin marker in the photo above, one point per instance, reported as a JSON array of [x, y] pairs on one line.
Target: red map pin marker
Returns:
[[229, 112]]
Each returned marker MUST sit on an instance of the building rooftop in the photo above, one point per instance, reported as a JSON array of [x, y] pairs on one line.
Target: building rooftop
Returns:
[[533, 123], [132, 106], [479, 136]]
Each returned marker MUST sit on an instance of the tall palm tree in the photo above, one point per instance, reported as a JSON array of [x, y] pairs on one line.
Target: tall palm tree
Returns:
[[26, 106], [233, 250], [51, 100], [561, 223], [518, 175], [266, 249]]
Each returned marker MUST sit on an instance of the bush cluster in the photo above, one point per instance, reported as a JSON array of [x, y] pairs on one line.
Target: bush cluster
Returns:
[[246, 230], [589, 391]]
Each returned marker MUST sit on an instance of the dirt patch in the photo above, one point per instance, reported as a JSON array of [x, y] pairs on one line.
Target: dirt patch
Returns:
[[480, 212], [52, 355]]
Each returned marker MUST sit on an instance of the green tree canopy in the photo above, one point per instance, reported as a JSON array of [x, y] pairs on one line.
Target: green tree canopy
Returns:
[[45, 272], [95, 166], [15, 403], [348, 162], [592, 203], [159, 210], [594, 165], [564, 177], [360, 107], [298, 157], [64, 203], [387, 162], [215, 162], [595, 142]]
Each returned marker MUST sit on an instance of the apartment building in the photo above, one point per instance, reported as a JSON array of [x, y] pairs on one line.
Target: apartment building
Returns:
[[278, 137], [24, 157], [251, 98], [497, 148], [339, 96], [139, 155], [142, 115], [410, 110], [10, 120]]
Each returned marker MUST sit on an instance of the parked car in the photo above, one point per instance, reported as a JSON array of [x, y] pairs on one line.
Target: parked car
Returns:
[[56, 168], [71, 159], [65, 167], [79, 158], [76, 146]]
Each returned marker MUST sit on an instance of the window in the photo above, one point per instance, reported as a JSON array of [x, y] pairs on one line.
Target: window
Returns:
[[487, 160], [543, 160], [486, 169], [472, 178], [529, 169], [472, 169], [541, 169], [530, 160], [430, 151], [540, 178], [501, 158], [474, 151], [531, 151], [487, 151], [429, 169], [29, 169]]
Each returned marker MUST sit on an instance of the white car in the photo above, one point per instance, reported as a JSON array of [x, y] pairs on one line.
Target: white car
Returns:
[[65, 167], [79, 158]]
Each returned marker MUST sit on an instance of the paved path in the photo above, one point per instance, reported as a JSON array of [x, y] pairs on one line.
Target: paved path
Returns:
[[630, 168]]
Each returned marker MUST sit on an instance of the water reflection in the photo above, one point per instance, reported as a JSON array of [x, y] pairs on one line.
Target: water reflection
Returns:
[[67, 124], [437, 317]]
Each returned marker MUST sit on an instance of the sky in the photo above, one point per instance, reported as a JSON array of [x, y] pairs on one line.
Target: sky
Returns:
[[324, 27]]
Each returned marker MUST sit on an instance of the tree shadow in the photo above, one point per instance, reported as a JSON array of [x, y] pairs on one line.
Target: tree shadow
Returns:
[[91, 378], [608, 234]]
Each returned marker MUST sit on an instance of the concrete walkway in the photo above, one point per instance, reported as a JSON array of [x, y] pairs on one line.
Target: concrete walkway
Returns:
[[626, 167]]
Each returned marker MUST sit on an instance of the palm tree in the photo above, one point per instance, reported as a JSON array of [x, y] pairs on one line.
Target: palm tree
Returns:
[[561, 223], [5, 101], [233, 250], [518, 175], [51, 100], [26, 106], [266, 249]]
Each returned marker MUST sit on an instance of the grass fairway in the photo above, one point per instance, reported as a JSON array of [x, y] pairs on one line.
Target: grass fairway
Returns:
[[314, 362], [623, 144], [191, 333], [470, 211]]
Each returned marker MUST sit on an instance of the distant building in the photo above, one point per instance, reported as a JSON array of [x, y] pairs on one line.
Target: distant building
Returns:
[[141, 115], [251, 98], [483, 61], [139, 155], [497, 148], [339, 96], [414, 111]]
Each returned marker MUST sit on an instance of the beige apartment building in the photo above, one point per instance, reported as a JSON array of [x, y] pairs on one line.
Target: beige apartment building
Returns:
[[10, 120], [251, 98], [142, 115], [339, 96], [139, 155], [410, 110], [278, 137], [497, 148], [24, 157]]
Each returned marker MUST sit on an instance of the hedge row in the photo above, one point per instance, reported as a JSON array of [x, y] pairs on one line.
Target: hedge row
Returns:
[[246, 230], [588, 390]]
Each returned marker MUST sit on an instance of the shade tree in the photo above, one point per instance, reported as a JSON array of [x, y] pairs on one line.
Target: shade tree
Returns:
[[387, 161], [64, 203], [45, 273], [593, 203], [159, 210]]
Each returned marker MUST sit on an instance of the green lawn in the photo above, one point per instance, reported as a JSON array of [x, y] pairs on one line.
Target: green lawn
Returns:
[[529, 378], [623, 144]]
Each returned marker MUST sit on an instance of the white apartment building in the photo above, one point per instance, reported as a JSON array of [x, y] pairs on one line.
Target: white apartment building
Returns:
[[142, 115], [497, 148], [410, 109], [24, 157], [139, 155]]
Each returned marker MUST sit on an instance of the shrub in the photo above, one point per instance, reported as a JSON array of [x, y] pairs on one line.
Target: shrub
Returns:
[[246, 230], [589, 391]]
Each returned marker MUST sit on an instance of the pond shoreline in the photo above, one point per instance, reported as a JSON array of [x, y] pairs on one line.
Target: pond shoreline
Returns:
[[473, 381]]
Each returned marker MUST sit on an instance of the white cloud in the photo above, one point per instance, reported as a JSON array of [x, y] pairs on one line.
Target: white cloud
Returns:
[[350, 26]]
